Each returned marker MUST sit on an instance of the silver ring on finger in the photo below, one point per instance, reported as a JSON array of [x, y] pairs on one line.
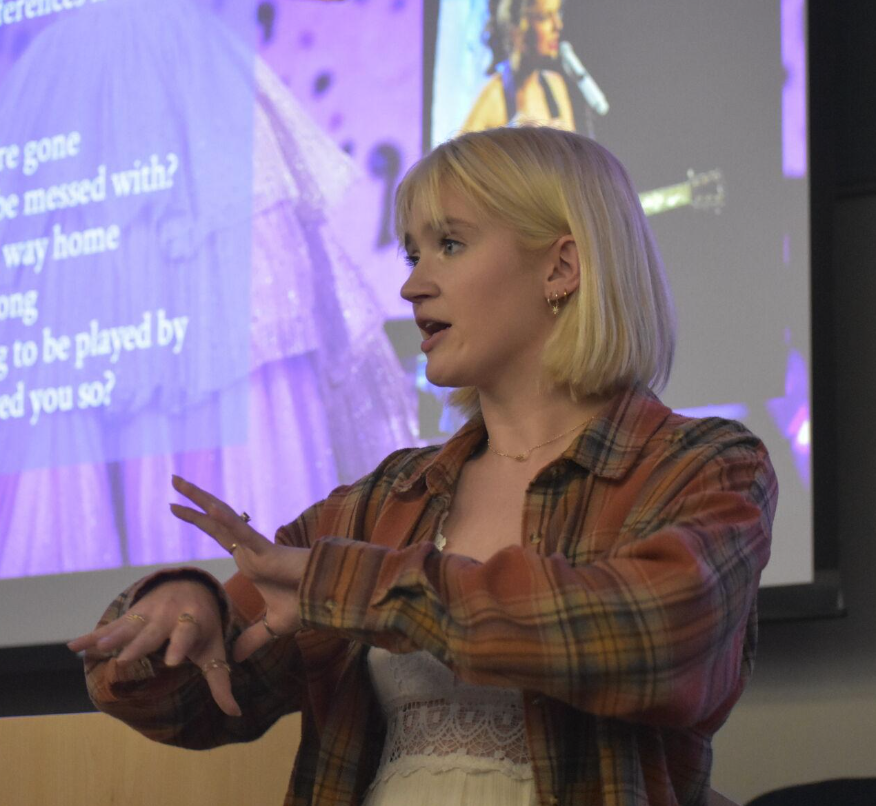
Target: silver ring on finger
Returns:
[[244, 516]]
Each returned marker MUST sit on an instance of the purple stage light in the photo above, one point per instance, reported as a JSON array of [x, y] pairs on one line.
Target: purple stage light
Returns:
[[794, 157], [791, 414]]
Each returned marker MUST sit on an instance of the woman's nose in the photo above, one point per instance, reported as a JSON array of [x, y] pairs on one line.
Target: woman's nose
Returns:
[[418, 286]]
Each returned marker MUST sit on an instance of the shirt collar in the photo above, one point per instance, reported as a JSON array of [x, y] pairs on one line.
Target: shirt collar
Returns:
[[442, 470], [608, 447], [612, 442]]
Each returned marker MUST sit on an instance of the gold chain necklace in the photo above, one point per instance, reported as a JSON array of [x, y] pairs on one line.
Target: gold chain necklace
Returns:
[[522, 457]]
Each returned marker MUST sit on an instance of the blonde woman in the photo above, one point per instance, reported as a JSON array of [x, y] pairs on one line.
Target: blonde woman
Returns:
[[555, 607]]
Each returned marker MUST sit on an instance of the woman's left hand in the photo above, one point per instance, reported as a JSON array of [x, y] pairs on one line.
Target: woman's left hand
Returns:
[[275, 571]]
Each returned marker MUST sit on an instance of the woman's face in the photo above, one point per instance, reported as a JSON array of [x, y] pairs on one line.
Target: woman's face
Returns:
[[478, 299], [544, 19]]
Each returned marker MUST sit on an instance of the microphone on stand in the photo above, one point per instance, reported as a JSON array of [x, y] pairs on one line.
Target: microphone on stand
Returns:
[[578, 73]]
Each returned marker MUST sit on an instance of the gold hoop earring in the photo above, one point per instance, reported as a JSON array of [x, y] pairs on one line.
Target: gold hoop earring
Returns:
[[555, 302]]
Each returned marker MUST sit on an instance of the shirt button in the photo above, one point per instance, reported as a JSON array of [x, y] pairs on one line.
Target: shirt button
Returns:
[[330, 605], [535, 538]]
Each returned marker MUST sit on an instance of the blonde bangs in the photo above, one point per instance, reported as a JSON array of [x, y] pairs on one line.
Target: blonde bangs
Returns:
[[472, 171], [419, 190]]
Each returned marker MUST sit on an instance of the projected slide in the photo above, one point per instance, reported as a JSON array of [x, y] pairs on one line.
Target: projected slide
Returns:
[[198, 273], [184, 284], [704, 102]]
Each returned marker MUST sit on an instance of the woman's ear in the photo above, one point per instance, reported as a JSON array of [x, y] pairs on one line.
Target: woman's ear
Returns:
[[564, 271]]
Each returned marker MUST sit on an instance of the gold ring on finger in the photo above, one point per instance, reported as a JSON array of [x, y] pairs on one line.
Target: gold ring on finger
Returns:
[[187, 618], [215, 663], [135, 617], [233, 547]]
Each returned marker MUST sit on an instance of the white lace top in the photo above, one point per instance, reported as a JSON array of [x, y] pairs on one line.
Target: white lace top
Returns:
[[436, 722]]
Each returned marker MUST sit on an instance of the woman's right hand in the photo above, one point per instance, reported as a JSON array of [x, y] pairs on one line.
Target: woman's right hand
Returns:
[[185, 614]]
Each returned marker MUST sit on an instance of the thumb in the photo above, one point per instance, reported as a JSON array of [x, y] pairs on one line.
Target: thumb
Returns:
[[251, 639]]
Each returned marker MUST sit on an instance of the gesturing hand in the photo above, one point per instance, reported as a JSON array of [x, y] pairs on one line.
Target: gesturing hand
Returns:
[[276, 571], [183, 613]]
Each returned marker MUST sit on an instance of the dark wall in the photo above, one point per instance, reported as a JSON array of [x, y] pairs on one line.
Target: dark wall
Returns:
[[853, 86], [42, 680], [843, 90]]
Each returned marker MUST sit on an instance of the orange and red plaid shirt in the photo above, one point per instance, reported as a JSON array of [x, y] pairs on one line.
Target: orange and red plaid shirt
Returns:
[[626, 615]]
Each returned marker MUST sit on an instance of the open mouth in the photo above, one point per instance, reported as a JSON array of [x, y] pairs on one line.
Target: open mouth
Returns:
[[430, 328], [433, 331]]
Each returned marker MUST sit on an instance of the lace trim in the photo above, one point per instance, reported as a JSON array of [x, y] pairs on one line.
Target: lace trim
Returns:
[[485, 734], [438, 723]]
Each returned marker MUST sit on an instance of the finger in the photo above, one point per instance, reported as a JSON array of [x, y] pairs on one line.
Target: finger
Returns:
[[88, 640], [230, 535], [119, 632], [250, 640], [218, 679], [211, 505], [219, 682], [207, 524], [82, 642], [219, 512], [147, 641], [183, 640], [124, 625]]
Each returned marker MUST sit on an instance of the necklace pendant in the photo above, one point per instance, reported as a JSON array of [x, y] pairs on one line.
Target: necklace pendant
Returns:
[[440, 541], [522, 457]]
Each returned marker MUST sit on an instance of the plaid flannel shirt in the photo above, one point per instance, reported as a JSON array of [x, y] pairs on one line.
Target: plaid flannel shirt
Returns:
[[626, 615]]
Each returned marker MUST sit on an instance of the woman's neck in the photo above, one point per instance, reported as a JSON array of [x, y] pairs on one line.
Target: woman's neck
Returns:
[[534, 425]]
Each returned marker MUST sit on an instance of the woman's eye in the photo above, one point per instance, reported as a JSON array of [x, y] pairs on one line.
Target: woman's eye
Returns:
[[449, 246], [411, 260]]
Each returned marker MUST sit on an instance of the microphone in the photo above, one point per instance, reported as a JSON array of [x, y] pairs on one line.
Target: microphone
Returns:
[[578, 73]]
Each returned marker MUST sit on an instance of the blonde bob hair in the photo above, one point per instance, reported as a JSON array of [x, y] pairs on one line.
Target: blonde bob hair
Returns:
[[619, 327]]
